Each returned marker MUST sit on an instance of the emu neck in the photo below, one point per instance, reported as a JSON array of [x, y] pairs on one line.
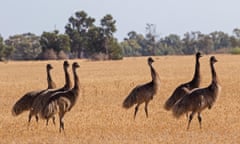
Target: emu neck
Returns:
[[76, 81], [51, 84], [196, 76], [68, 83], [214, 87], [155, 76], [214, 74]]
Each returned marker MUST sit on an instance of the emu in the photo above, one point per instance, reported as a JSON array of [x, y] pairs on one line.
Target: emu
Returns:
[[62, 102], [180, 91], [199, 99], [41, 99], [143, 93], [26, 101]]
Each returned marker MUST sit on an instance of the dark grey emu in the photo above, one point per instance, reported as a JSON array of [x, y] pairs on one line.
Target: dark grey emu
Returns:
[[41, 100], [62, 102], [199, 99], [180, 91], [143, 93], [26, 101]]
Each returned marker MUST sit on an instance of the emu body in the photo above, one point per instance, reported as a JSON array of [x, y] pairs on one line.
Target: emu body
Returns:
[[62, 102], [199, 99], [41, 100], [180, 91], [25, 102], [143, 93]]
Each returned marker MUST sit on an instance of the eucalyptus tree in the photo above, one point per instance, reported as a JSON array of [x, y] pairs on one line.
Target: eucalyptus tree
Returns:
[[54, 43], [23, 46], [107, 29], [130, 45], [5, 50], [94, 42], [220, 40], [2, 48], [205, 44], [236, 32], [151, 36], [190, 40], [77, 28], [49, 40], [235, 39], [171, 44]]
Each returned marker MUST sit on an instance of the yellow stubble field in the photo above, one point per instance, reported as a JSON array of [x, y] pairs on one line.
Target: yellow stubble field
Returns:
[[98, 116]]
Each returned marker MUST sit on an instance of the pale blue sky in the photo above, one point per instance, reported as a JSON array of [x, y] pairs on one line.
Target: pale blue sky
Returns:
[[169, 16]]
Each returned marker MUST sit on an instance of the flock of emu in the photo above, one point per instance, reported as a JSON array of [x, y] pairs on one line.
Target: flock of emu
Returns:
[[187, 97], [46, 103]]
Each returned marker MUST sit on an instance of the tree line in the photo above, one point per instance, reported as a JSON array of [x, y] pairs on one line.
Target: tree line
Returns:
[[84, 39], [216, 42]]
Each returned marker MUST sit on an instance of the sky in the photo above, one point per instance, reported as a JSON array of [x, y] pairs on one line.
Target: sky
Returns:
[[169, 16]]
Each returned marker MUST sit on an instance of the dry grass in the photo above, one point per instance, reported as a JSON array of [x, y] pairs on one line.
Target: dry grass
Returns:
[[98, 116]]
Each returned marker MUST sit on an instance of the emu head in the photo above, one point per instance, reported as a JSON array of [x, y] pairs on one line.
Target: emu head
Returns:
[[75, 65], [213, 59], [49, 66], [150, 60], [65, 64], [198, 55]]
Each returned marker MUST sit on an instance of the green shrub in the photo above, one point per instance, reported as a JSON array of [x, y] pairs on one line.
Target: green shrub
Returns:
[[235, 51]]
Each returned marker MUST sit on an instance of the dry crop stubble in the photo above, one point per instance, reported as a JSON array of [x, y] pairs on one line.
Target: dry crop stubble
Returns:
[[98, 116]]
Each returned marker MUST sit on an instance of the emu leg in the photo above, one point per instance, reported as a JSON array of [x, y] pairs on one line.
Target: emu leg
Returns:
[[146, 108], [36, 117], [61, 124], [53, 119], [29, 118], [61, 115], [200, 119], [47, 121], [190, 119], [187, 115], [136, 110]]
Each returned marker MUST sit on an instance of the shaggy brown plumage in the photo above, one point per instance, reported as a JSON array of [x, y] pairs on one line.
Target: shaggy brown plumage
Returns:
[[143, 93], [180, 91], [42, 98], [199, 99], [26, 101], [62, 102]]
